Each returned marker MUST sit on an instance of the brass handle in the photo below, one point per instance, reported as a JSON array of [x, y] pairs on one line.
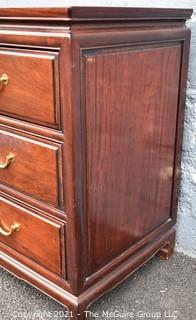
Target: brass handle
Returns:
[[9, 158], [4, 79], [8, 232]]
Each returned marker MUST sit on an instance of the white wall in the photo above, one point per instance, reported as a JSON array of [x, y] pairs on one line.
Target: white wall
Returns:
[[186, 226]]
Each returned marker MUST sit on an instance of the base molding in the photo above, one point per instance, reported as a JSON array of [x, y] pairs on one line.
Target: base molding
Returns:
[[162, 247]]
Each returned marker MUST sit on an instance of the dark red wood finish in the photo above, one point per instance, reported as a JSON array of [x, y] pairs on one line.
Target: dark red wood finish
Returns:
[[36, 169], [98, 152], [38, 239], [30, 74], [132, 130]]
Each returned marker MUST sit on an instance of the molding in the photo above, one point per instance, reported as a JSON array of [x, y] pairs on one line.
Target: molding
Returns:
[[75, 14]]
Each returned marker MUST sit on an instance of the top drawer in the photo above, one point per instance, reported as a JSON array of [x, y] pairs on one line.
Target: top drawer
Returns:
[[32, 90]]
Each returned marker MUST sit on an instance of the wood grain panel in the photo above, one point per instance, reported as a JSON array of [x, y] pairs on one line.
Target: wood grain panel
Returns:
[[36, 169], [32, 93], [130, 121], [39, 239]]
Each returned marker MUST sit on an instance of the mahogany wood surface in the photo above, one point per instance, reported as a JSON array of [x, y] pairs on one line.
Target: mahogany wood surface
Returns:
[[38, 239], [132, 130], [30, 74], [95, 13], [36, 169], [94, 113], [113, 41]]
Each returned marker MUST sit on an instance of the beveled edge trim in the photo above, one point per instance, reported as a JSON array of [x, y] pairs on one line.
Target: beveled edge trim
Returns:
[[33, 13], [129, 13], [77, 13], [36, 130], [31, 204]]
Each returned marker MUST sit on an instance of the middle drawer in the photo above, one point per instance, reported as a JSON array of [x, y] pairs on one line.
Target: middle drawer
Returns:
[[32, 167]]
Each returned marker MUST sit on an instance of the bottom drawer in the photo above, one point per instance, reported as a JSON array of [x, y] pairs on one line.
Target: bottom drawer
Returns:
[[34, 236]]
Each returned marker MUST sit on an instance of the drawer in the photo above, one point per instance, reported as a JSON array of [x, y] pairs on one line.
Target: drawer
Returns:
[[32, 90], [33, 236], [35, 169]]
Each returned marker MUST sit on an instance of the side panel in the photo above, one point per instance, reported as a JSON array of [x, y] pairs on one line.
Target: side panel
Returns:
[[127, 140], [131, 110]]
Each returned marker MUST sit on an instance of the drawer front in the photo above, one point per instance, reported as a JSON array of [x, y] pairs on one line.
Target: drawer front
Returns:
[[35, 170], [32, 90], [33, 236]]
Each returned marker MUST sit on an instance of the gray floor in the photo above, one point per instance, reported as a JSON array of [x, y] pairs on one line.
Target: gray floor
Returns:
[[159, 290]]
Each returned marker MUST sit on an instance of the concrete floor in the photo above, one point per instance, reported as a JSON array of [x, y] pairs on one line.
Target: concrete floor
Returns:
[[159, 290]]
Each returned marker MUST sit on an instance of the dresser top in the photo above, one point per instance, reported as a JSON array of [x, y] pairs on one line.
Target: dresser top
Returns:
[[94, 14]]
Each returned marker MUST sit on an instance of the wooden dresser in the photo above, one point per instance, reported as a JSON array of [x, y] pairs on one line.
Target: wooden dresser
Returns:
[[91, 123]]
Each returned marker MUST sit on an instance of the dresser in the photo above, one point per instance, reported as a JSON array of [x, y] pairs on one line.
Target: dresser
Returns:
[[91, 123]]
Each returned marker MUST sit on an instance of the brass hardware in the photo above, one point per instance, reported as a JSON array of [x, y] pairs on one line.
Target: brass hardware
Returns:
[[8, 232], [9, 158], [4, 79]]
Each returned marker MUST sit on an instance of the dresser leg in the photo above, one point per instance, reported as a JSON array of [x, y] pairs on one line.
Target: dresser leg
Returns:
[[78, 312], [167, 251]]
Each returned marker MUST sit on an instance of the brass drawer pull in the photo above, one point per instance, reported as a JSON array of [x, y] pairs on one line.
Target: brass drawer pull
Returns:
[[4, 79], [13, 228], [9, 158]]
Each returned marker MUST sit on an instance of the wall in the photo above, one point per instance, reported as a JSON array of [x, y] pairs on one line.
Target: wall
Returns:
[[186, 226]]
